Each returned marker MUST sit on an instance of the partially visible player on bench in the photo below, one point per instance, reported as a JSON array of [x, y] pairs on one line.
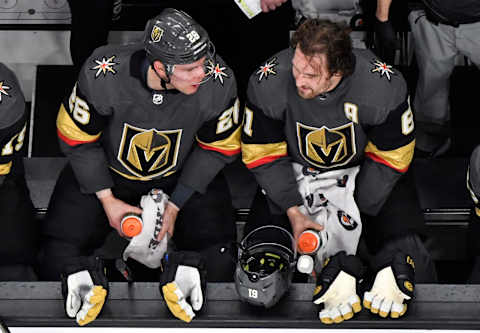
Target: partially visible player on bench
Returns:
[[18, 233]]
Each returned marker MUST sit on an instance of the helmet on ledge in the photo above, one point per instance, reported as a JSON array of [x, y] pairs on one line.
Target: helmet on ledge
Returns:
[[266, 262]]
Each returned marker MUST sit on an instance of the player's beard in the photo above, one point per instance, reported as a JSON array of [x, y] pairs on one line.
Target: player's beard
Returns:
[[308, 92]]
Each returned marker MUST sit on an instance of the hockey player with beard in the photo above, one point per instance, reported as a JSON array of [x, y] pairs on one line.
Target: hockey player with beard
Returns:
[[160, 114], [326, 107]]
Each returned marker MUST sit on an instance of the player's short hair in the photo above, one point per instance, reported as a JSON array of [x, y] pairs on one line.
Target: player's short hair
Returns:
[[317, 36]]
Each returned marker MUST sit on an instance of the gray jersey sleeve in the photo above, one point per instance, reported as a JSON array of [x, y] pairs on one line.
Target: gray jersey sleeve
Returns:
[[81, 119], [264, 146], [218, 139]]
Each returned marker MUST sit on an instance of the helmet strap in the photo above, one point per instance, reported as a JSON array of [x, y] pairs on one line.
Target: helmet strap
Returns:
[[163, 83]]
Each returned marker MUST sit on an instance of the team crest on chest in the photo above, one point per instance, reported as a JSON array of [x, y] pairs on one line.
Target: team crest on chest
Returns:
[[326, 147], [104, 66], [3, 90], [383, 69], [149, 153], [216, 71], [267, 69]]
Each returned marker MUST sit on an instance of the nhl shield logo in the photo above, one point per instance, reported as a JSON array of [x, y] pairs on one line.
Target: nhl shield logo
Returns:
[[157, 99], [156, 34]]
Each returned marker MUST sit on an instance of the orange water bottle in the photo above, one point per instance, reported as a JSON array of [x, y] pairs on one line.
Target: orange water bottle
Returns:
[[131, 224], [309, 242]]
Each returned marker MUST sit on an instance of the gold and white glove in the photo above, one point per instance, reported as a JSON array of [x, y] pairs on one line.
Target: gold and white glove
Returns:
[[183, 283], [393, 287], [84, 291], [336, 288]]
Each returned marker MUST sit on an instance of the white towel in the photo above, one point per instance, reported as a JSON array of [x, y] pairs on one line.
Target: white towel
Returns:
[[328, 200], [144, 247]]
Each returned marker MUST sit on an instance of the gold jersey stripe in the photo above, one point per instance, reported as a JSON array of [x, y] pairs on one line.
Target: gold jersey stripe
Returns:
[[228, 146], [70, 131], [254, 155], [398, 159], [5, 168], [145, 179]]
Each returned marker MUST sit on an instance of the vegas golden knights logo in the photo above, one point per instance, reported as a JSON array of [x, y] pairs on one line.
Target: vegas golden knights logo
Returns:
[[149, 153], [156, 34], [326, 147]]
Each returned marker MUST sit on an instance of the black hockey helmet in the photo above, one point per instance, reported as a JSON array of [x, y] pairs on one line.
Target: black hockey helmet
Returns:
[[266, 262], [174, 38]]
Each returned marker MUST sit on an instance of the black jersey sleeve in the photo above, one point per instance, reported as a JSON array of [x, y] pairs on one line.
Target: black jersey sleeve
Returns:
[[80, 122], [264, 147], [389, 153], [218, 139]]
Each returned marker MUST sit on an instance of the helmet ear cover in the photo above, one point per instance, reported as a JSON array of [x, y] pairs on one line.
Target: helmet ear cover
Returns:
[[174, 38], [265, 267]]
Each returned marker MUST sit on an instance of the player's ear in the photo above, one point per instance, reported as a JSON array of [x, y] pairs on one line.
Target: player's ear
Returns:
[[159, 68]]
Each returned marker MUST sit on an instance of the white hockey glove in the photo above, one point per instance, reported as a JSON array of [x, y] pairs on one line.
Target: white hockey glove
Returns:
[[393, 286], [183, 283], [336, 288], [84, 289], [145, 248]]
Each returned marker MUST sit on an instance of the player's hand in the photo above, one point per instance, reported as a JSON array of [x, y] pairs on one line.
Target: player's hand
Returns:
[[183, 278], [386, 35], [268, 5], [115, 209], [84, 289], [300, 222], [393, 286], [144, 247], [168, 220], [336, 288]]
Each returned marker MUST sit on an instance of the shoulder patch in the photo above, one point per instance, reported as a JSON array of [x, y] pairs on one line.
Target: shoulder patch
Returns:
[[267, 69], [216, 71], [3, 90], [104, 66], [382, 68]]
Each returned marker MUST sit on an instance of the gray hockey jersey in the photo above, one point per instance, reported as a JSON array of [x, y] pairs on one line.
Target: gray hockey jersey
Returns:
[[365, 120], [112, 119]]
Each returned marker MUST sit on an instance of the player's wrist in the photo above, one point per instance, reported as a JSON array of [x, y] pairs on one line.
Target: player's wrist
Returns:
[[173, 206], [293, 212], [104, 195]]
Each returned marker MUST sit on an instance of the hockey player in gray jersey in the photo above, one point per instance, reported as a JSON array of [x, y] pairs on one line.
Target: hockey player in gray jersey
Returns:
[[327, 107], [19, 236], [161, 114]]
